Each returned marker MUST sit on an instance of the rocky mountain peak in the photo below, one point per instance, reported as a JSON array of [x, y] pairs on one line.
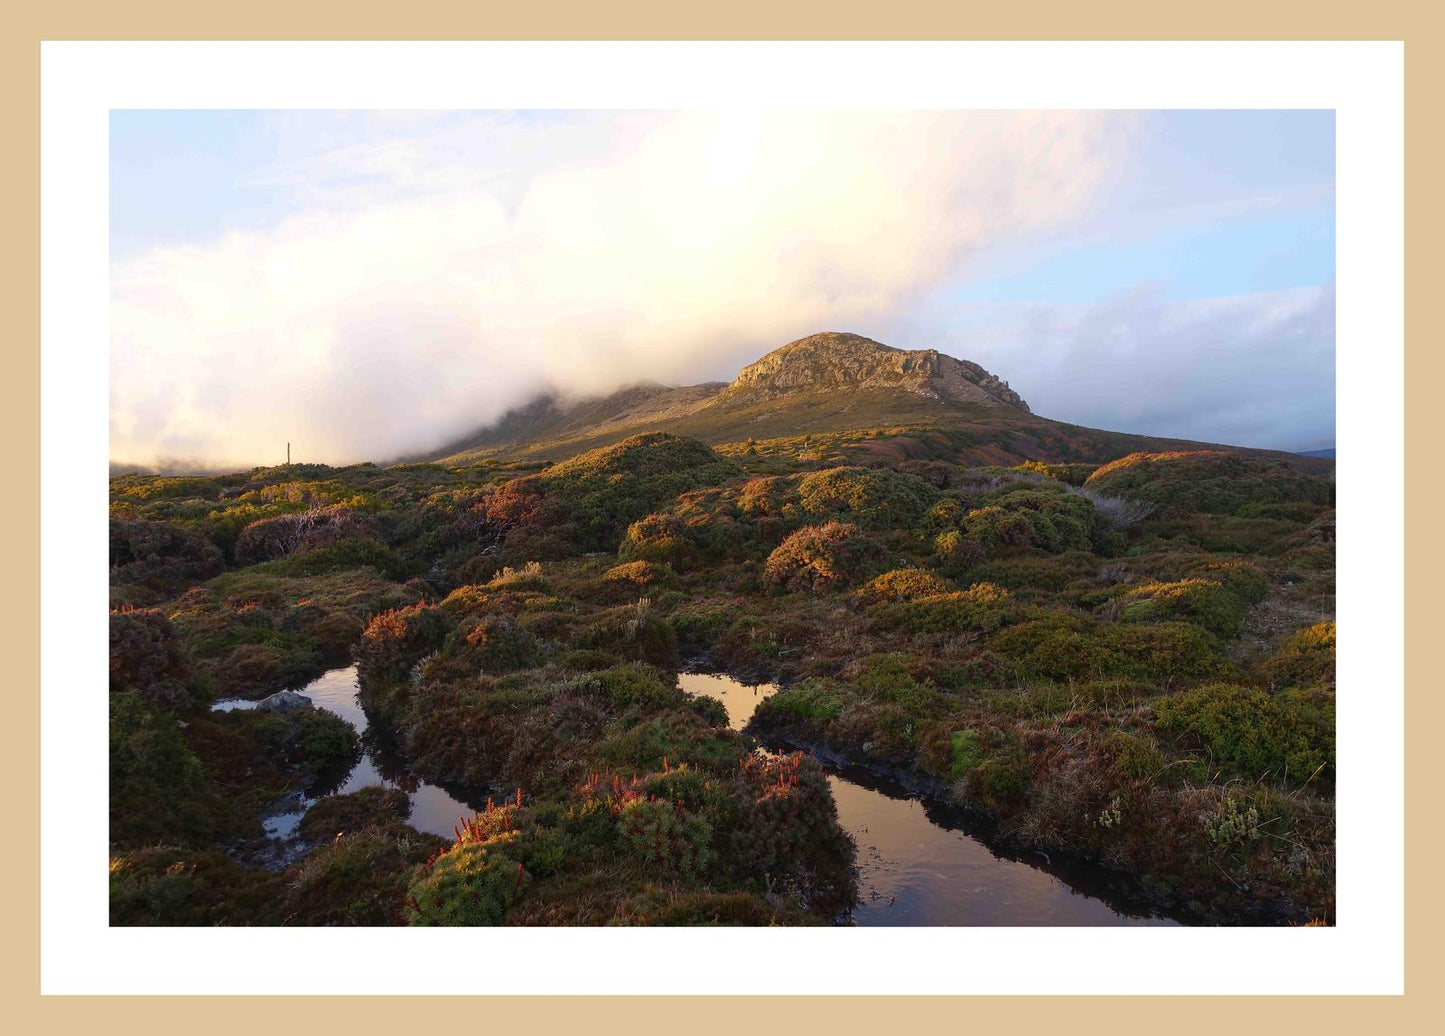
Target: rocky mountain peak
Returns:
[[834, 361]]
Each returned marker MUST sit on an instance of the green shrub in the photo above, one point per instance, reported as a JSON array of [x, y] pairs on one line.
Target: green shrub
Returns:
[[1306, 659], [1250, 734], [470, 884], [1212, 481], [160, 556], [1245, 579], [867, 497], [1133, 756], [1169, 651], [341, 814], [640, 574], [901, 584], [701, 626], [889, 677], [982, 607], [1073, 474], [624, 687], [956, 553], [171, 887], [1064, 647], [635, 632], [1022, 517], [155, 779], [299, 532], [659, 539], [524, 577], [315, 740], [786, 833], [496, 644], [668, 738], [942, 517], [590, 499], [662, 836], [355, 552], [990, 765], [360, 877], [820, 700], [1212, 605]]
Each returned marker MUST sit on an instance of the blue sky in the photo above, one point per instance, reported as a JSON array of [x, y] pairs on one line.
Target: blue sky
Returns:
[[1161, 272]]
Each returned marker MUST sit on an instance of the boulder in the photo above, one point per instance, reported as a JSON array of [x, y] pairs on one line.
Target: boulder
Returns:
[[284, 701]]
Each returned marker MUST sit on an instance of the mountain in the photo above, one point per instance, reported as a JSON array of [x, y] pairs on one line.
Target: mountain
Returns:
[[832, 393], [1328, 453], [832, 362]]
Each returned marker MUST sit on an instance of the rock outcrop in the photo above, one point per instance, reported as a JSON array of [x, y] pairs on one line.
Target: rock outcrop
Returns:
[[833, 361]]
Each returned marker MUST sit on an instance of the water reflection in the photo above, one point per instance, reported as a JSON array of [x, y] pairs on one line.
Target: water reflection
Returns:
[[919, 865], [740, 699], [433, 808]]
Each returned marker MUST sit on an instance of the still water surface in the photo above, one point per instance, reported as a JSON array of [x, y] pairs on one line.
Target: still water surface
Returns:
[[917, 864], [433, 808]]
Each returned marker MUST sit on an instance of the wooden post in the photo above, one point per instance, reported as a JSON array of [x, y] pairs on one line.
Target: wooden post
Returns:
[[288, 454]]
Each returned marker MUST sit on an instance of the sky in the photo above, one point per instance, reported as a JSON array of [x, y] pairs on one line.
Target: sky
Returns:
[[372, 284]]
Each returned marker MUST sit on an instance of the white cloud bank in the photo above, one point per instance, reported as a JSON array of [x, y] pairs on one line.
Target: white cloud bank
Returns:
[[417, 298]]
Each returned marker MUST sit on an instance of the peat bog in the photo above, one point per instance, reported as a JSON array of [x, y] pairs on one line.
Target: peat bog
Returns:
[[1091, 683]]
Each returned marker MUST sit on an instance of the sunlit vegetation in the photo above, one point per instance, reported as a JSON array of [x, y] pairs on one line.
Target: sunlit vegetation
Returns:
[[1086, 654], [1214, 482]]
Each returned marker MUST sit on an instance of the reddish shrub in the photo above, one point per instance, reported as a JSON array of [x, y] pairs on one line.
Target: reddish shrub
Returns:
[[396, 640], [821, 558]]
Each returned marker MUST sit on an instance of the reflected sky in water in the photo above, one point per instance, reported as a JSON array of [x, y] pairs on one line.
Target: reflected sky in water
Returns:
[[914, 869], [916, 865], [433, 808]]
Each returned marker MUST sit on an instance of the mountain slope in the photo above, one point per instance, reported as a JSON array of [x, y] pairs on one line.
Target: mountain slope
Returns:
[[842, 394]]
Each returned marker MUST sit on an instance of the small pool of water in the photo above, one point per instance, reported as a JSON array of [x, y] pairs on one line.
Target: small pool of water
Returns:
[[918, 862], [918, 865], [433, 808]]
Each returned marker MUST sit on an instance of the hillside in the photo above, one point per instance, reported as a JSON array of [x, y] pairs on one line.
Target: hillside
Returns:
[[831, 394]]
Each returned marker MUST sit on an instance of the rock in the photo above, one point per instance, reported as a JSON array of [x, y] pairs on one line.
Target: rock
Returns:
[[832, 362], [284, 701]]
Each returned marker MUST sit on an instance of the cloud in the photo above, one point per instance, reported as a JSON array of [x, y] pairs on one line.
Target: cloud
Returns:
[[437, 273], [1255, 369]]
